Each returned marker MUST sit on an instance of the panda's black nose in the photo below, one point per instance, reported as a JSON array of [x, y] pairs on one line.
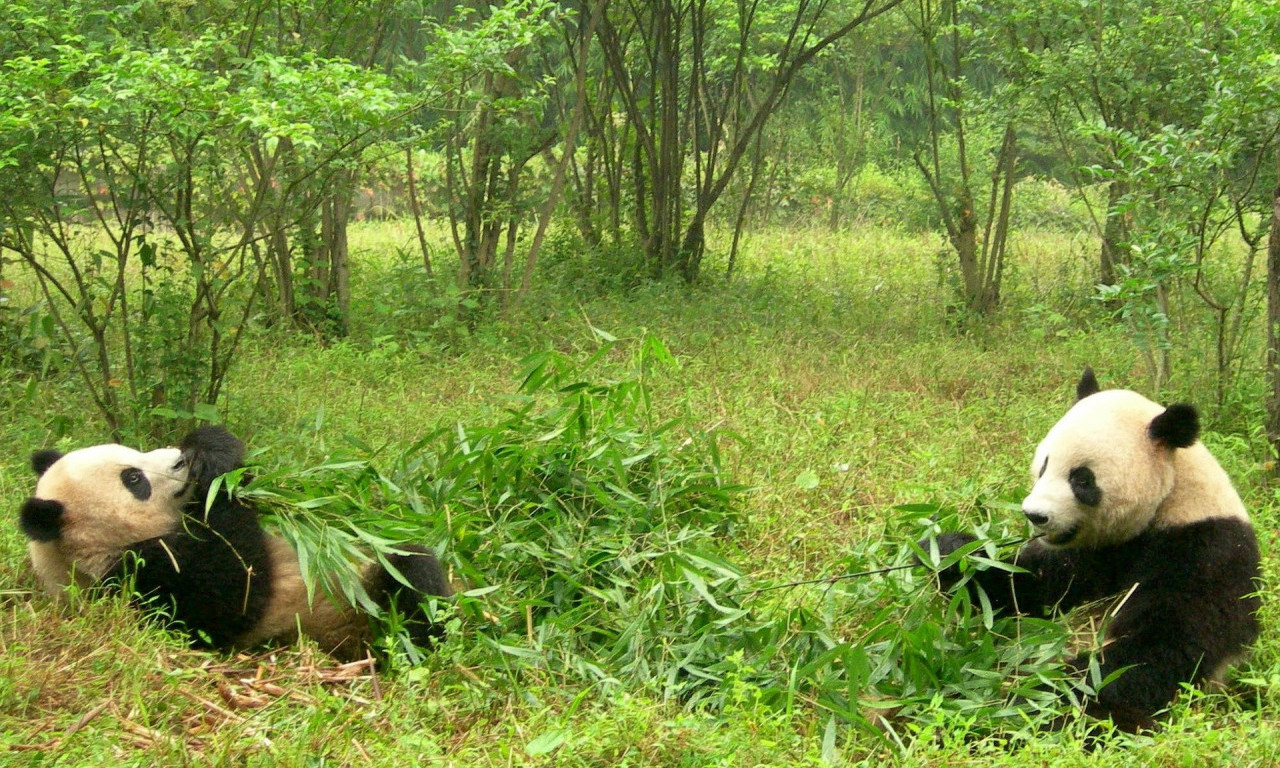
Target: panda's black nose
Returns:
[[1036, 518]]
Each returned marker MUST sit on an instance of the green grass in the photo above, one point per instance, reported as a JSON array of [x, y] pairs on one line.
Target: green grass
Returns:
[[843, 387]]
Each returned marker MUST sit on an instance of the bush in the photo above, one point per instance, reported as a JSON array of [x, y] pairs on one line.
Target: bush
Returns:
[[568, 263], [577, 513], [1047, 204], [595, 542]]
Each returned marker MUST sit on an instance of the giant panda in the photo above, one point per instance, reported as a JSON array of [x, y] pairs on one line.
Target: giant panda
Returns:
[[109, 514], [1126, 503]]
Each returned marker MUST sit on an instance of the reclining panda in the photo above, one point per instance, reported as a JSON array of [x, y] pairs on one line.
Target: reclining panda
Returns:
[[1127, 502], [111, 514]]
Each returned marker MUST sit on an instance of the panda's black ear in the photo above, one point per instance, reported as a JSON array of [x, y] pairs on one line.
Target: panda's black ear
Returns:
[[211, 451], [1088, 385], [42, 460], [42, 519], [1177, 427]]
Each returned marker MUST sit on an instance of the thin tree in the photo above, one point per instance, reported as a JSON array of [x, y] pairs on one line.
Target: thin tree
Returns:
[[978, 237], [693, 93], [1273, 319]]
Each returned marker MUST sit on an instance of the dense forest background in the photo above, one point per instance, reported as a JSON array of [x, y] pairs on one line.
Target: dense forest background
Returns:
[[673, 326], [186, 170]]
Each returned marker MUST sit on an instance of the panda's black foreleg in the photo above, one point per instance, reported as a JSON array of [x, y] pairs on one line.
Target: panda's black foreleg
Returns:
[[213, 578], [1048, 579], [157, 575], [1158, 640], [426, 578], [995, 583], [1141, 690]]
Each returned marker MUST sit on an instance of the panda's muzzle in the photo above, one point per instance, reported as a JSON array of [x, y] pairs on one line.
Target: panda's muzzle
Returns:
[[1040, 521]]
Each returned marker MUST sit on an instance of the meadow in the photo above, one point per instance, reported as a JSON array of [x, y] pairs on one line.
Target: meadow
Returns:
[[847, 404]]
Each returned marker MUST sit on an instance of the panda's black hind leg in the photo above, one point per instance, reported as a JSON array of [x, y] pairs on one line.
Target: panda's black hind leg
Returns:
[[426, 578]]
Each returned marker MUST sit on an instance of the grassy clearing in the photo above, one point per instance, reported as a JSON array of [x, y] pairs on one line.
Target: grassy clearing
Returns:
[[847, 388]]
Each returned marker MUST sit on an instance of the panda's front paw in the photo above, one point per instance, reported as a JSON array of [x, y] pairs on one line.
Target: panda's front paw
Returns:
[[947, 543], [211, 451]]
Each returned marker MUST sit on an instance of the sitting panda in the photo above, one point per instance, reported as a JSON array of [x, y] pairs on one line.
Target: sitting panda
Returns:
[[1127, 502], [107, 513]]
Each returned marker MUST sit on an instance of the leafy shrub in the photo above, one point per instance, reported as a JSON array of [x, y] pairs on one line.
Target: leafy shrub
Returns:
[[578, 512], [872, 196], [594, 538], [27, 339], [405, 304], [876, 196], [1047, 204], [568, 262]]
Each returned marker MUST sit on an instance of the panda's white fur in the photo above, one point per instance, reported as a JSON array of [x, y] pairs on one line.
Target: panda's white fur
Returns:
[[337, 627], [1127, 502], [108, 511]]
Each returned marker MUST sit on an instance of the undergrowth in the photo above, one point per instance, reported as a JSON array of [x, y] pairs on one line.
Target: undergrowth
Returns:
[[594, 542]]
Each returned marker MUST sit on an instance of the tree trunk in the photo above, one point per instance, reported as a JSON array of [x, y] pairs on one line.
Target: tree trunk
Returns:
[[335, 214], [566, 157], [416, 208], [282, 268], [965, 240], [739, 224], [679, 113], [1114, 235], [1273, 322]]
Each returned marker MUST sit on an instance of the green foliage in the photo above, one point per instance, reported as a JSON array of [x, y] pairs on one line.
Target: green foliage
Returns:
[[607, 268], [576, 510], [1173, 109], [595, 540], [27, 337], [1190, 185], [407, 307], [1047, 204], [149, 176], [495, 119], [871, 196]]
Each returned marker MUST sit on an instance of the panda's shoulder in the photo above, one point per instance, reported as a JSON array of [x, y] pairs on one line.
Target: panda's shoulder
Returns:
[[1207, 546]]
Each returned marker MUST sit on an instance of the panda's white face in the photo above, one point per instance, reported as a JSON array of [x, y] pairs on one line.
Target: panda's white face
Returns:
[[111, 497], [1099, 476]]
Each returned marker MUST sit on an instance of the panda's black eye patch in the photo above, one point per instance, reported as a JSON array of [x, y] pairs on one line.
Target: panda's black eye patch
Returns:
[[1085, 486], [135, 481]]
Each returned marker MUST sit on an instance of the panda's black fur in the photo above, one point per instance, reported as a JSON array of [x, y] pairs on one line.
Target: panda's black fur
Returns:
[[1184, 580], [212, 569]]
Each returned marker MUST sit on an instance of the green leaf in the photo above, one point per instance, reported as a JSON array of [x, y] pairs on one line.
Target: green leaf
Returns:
[[829, 754], [547, 742], [807, 480], [207, 412], [316, 503]]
